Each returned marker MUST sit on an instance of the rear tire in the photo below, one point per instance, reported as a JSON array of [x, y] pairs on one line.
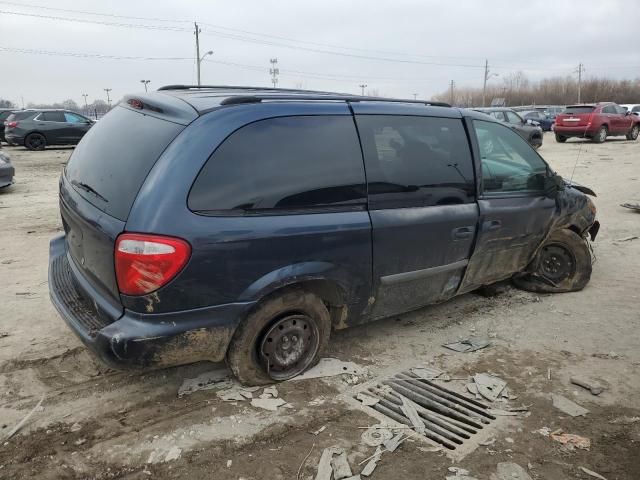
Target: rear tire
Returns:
[[35, 141], [601, 135], [633, 133], [562, 264], [284, 336], [560, 138]]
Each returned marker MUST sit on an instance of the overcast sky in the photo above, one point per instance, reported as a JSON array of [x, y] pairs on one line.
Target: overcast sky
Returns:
[[396, 47]]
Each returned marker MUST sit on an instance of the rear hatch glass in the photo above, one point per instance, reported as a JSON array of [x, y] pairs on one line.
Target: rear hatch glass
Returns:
[[20, 116], [576, 116], [113, 159]]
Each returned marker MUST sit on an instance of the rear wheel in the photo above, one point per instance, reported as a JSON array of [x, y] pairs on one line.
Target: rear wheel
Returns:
[[563, 264], [633, 133], [281, 339], [35, 141], [560, 138], [601, 135]]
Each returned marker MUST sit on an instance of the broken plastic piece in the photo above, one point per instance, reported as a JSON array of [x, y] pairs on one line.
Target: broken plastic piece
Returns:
[[594, 387], [468, 345], [592, 473], [567, 406], [488, 386], [572, 441]]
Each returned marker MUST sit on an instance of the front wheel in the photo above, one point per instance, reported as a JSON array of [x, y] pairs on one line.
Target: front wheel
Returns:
[[633, 133], [279, 340], [601, 135], [563, 264]]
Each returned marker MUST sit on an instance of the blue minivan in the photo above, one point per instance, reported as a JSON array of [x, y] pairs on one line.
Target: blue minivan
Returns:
[[238, 223]]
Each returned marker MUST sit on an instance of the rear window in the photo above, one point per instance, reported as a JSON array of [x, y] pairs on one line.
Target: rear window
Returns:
[[4, 115], [636, 108], [578, 110], [111, 162], [20, 116], [283, 164]]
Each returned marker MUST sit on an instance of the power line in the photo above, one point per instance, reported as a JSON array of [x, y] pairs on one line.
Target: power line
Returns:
[[86, 55]]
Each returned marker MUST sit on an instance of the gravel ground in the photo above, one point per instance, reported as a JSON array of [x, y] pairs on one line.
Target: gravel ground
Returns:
[[99, 423]]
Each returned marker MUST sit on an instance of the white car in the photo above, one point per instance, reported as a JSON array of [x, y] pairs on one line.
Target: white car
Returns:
[[631, 107]]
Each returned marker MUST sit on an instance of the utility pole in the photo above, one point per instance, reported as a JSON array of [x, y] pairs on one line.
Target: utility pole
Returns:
[[415, 96], [145, 82], [86, 105], [274, 71], [197, 32], [580, 70], [108, 97], [362, 87], [452, 98], [487, 76]]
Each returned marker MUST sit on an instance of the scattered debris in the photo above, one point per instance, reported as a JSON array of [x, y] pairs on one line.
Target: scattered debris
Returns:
[[489, 387], [270, 391], [544, 431], [325, 471], [504, 413], [270, 404], [24, 420], [4, 334], [488, 443], [392, 444], [80, 441], [594, 387], [367, 400], [355, 477], [433, 449], [330, 367], [631, 206], [218, 378], [625, 420], [459, 474], [372, 463], [340, 465], [173, 454], [610, 355], [627, 239], [549, 374], [467, 345], [511, 471], [592, 473], [304, 460], [375, 437], [409, 409], [75, 427], [572, 441], [319, 431], [229, 463], [567, 406], [427, 373]]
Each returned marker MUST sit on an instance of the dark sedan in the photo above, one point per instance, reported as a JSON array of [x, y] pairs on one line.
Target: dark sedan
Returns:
[[35, 129], [6, 171], [540, 118], [531, 133]]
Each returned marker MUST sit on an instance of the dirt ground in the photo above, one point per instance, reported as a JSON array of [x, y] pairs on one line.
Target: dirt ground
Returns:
[[99, 423]]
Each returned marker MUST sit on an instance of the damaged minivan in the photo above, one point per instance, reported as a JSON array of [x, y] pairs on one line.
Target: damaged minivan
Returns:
[[246, 224]]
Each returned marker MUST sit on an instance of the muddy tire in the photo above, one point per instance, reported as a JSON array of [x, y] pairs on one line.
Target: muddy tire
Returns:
[[633, 133], [601, 135], [35, 141], [560, 138], [284, 336], [563, 264]]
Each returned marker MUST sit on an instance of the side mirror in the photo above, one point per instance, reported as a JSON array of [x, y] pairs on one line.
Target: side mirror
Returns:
[[553, 184]]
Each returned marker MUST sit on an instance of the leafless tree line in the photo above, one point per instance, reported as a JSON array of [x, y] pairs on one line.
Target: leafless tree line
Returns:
[[517, 89]]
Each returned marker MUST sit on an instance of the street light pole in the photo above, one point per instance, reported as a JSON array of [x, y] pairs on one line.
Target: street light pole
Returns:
[[108, 97], [145, 82], [487, 76], [210, 52], [86, 105], [362, 87]]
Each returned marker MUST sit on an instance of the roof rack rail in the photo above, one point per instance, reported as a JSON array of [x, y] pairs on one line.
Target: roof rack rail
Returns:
[[235, 100], [237, 87]]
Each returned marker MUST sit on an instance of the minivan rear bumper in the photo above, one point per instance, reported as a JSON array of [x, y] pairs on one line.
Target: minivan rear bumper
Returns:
[[138, 340]]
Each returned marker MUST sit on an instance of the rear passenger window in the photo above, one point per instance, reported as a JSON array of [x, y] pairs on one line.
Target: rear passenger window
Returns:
[[286, 163], [52, 117], [416, 161]]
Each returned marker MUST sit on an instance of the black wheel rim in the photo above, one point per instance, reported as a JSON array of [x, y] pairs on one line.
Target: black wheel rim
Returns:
[[557, 263], [289, 346], [35, 142]]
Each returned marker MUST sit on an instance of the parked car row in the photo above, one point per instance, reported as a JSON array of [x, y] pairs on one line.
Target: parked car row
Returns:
[[212, 223], [35, 129]]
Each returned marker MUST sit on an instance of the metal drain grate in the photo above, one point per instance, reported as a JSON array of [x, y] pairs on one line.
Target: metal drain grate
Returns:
[[449, 418]]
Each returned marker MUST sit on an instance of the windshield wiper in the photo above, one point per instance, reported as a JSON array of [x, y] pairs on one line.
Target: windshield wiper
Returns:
[[88, 188]]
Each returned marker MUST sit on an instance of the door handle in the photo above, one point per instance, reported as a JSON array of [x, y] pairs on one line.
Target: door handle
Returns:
[[492, 225], [462, 232]]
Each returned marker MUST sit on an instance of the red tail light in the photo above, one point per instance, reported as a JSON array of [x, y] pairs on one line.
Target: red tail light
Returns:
[[11, 124], [144, 263]]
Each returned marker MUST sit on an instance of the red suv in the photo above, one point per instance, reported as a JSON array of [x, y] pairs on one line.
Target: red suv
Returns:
[[597, 122]]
